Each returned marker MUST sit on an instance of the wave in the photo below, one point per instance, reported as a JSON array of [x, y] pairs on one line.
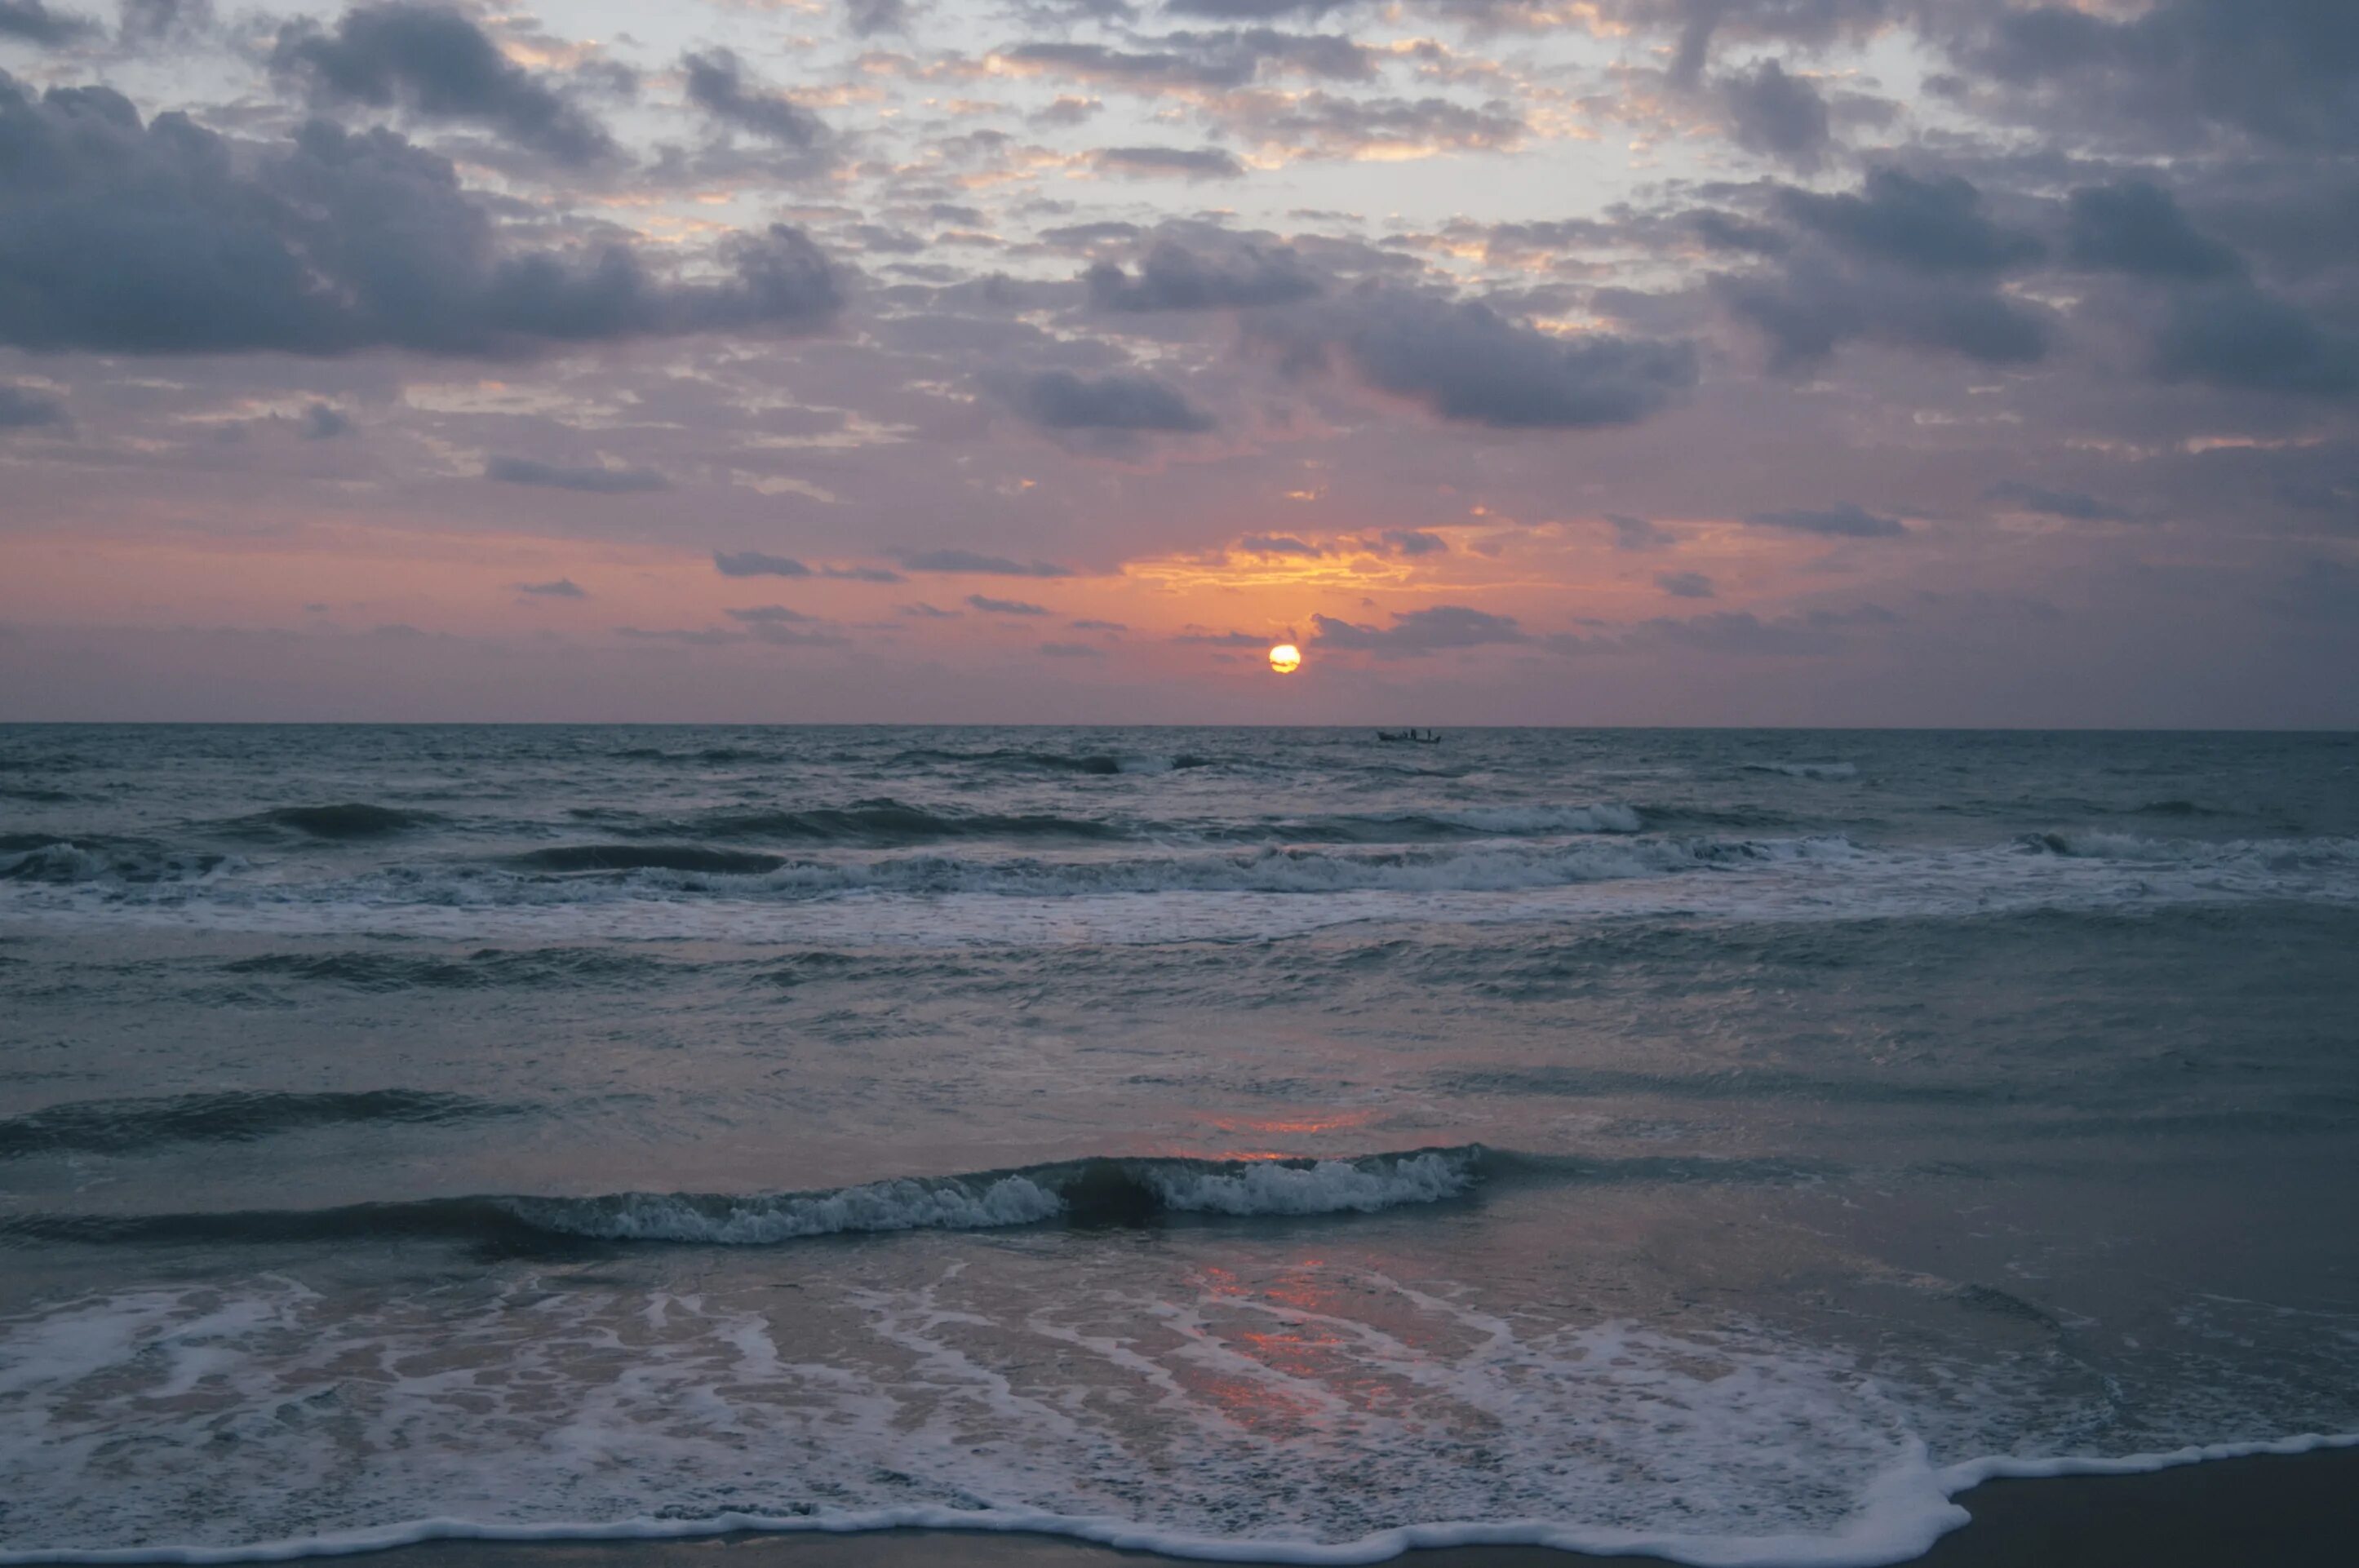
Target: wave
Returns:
[[352, 820], [1099, 765], [1527, 821], [99, 859], [692, 858], [2281, 854], [136, 1126], [882, 823], [1094, 1192], [484, 969], [1805, 770]]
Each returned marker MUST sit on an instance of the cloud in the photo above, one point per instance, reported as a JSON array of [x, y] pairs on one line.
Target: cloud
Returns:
[[1059, 400], [439, 65], [32, 22], [1214, 61], [1465, 362], [563, 588], [925, 611], [23, 408], [121, 237], [971, 564], [321, 423], [1842, 521], [2135, 227], [1187, 163], [1811, 308], [1637, 533], [754, 563], [1222, 639], [1933, 225], [1413, 542], [2281, 70], [990, 606], [2026, 497], [770, 614], [1420, 632], [589, 481], [1173, 277], [717, 84], [1774, 114], [2234, 336], [862, 574], [866, 18], [1280, 545], [1071, 650], [1684, 585], [1095, 626]]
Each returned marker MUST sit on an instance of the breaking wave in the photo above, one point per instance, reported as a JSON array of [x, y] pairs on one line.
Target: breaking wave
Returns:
[[353, 819], [1094, 1192]]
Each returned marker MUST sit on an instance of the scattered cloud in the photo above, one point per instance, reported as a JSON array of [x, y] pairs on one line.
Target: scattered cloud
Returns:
[[589, 481], [990, 606], [755, 563]]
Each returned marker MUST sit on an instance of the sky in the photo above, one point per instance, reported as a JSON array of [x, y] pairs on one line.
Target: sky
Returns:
[[1525, 361]]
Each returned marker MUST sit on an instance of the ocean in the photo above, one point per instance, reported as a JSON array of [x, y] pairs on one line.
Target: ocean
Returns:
[[1276, 1144]]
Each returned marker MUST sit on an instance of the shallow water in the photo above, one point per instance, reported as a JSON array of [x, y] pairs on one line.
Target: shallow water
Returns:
[[1221, 1136]]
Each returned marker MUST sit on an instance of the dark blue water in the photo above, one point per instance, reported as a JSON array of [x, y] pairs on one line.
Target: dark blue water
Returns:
[[1696, 1139]]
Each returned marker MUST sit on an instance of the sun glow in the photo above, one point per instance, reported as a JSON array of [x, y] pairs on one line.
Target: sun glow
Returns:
[[1285, 658]]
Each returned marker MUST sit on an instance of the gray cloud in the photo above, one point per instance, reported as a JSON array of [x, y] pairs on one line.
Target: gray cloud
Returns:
[[2282, 70], [1071, 650], [754, 563], [321, 423], [1173, 277], [2136, 227], [32, 22], [1844, 520], [862, 574], [1811, 308], [2234, 336], [563, 588], [167, 238], [1420, 632], [1637, 533], [439, 65], [1466, 363], [589, 481], [1059, 400], [2072, 504], [866, 18], [23, 408], [717, 84], [968, 562], [1774, 114], [1684, 585], [1189, 163], [991, 606], [1934, 225]]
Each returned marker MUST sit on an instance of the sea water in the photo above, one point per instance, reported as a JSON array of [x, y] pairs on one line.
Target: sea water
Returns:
[[1257, 1144]]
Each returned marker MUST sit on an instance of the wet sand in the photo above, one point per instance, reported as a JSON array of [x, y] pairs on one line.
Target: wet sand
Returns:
[[2283, 1511]]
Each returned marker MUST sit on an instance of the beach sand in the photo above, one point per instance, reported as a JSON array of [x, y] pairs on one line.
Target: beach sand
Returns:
[[2291, 1511]]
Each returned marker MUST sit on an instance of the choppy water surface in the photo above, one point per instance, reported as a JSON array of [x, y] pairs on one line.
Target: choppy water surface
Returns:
[[1720, 1141]]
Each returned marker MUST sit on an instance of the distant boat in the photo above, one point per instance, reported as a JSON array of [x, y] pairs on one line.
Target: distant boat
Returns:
[[1425, 738]]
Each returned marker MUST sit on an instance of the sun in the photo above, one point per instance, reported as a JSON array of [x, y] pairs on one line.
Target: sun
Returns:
[[1285, 658]]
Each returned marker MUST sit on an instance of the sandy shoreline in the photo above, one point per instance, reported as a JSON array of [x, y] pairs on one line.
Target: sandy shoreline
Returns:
[[2271, 1511]]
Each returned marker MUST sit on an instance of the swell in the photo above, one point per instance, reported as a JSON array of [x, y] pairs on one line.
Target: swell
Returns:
[[350, 820], [883, 823], [136, 1126], [1098, 1191], [484, 969]]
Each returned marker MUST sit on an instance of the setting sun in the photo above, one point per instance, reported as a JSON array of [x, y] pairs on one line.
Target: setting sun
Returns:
[[1285, 658]]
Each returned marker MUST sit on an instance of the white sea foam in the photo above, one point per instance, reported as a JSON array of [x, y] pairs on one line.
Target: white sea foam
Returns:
[[276, 1423]]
